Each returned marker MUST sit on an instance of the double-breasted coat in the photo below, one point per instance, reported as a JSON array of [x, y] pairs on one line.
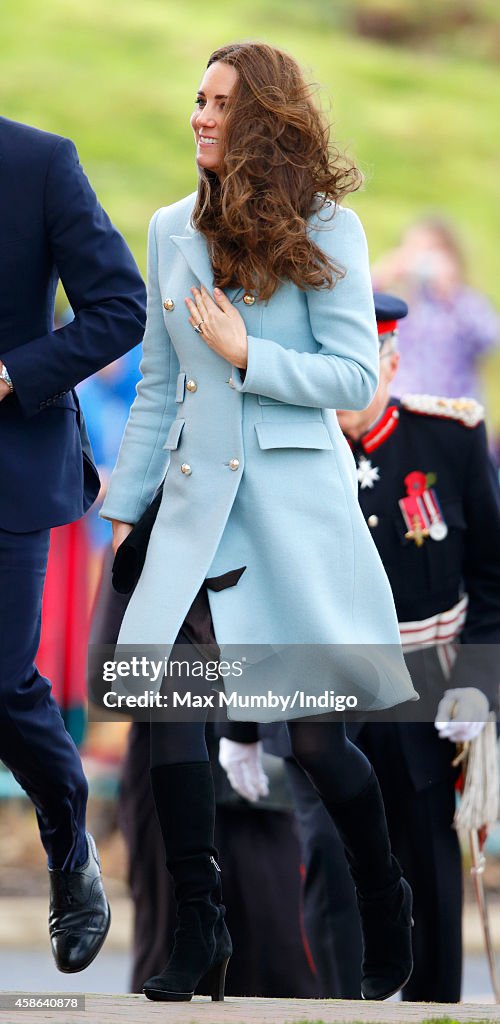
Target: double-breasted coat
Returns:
[[257, 471]]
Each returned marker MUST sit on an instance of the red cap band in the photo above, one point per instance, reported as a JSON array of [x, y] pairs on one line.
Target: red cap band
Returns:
[[386, 326]]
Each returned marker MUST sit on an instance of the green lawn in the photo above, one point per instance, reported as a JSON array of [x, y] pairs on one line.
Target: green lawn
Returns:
[[119, 77]]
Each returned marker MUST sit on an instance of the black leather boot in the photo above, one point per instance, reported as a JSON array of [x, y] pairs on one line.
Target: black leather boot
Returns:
[[384, 896], [185, 803], [79, 914]]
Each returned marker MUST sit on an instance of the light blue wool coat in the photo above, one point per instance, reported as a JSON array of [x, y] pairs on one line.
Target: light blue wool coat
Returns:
[[289, 511]]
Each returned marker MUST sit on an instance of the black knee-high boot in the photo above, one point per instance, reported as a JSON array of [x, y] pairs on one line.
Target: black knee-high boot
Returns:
[[384, 896], [185, 803]]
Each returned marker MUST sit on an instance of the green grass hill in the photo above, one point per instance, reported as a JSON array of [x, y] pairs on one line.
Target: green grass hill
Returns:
[[119, 77]]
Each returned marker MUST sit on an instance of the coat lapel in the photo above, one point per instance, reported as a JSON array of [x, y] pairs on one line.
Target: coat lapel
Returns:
[[194, 248]]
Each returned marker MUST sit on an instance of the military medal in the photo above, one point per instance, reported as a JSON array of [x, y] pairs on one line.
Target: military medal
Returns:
[[421, 510], [366, 473]]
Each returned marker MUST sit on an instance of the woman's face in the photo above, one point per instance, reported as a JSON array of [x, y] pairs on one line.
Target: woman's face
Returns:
[[208, 116]]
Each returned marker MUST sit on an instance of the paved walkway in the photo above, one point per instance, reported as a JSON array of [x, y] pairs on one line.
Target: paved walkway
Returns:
[[130, 1009]]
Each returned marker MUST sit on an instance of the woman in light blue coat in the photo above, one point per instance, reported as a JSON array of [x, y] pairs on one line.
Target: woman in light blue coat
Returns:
[[260, 324]]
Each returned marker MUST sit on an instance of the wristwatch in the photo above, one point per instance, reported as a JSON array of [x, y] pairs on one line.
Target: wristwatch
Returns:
[[5, 376]]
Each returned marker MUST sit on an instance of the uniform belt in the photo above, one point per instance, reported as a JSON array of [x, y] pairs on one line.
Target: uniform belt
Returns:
[[439, 629]]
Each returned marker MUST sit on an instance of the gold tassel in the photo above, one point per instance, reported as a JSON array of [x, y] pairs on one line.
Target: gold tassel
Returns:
[[479, 802]]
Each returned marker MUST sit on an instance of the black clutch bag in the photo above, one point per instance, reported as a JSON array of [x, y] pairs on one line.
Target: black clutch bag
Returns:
[[131, 555]]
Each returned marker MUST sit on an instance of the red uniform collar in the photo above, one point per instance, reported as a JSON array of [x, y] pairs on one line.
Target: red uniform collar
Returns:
[[379, 433]]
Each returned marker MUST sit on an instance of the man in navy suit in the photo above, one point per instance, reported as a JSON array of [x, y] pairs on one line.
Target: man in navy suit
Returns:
[[51, 227]]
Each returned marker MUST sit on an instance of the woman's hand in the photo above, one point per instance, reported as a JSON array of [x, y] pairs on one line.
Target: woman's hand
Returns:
[[223, 328], [120, 531]]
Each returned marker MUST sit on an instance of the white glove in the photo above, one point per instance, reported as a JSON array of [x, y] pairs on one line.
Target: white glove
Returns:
[[243, 764], [462, 714]]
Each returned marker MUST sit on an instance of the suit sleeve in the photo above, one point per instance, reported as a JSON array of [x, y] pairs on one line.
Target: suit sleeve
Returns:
[[478, 663], [343, 373], [102, 283], [142, 460]]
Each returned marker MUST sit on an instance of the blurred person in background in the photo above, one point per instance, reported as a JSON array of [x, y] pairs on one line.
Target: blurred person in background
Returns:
[[441, 550], [52, 226], [451, 327]]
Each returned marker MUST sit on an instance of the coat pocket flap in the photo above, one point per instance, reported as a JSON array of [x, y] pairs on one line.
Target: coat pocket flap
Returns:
[[174, 435], [264, 400], [181, 383], [308, 434]]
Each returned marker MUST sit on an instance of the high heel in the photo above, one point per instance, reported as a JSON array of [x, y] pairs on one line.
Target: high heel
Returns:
[[182, 977], [214, 981], [185, 803], [387, 924], [384, 896]]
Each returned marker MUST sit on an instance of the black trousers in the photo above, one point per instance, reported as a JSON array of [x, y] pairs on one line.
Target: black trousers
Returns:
[[34, 743], [331, 919]]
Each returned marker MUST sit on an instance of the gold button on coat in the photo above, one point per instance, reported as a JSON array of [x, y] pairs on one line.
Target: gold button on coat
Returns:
[[191, 385], [234, 464], [248, 299], [186, 469], [169, 305], [231, 382], [372, 522]]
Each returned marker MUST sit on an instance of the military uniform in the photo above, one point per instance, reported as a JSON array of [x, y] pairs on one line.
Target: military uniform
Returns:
[[444, 570], [429, 494]]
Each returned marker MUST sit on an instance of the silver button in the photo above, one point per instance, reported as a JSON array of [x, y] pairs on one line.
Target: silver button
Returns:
[[234, 464], [231, 382], [248, 299], [186, 469], [372, 522], [191, 385], [169, 305]]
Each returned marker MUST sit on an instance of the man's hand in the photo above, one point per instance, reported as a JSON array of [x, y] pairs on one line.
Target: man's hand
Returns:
[[223, 326], [120, 531], [462, 714], [243, 764]]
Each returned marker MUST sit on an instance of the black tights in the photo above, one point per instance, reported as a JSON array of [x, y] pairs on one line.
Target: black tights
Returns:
[[336, 767], [180, 742]]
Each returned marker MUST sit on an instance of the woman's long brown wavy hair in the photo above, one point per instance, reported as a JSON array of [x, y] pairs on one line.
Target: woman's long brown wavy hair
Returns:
[[279, 166]]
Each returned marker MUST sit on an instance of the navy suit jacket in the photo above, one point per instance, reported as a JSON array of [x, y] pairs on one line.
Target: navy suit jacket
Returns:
[[51, 227]]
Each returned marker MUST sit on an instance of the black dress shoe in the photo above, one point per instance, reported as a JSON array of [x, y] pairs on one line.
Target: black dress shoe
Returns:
[[79, 914]]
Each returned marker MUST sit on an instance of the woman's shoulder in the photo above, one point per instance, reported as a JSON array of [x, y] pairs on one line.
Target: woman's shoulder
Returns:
[[335, 227], [174, 219], [327, 215]]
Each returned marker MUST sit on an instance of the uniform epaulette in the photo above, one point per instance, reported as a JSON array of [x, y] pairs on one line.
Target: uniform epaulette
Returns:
[[465, 410]]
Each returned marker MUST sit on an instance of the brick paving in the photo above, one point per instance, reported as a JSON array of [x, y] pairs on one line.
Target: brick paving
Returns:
[[135, 1009]]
